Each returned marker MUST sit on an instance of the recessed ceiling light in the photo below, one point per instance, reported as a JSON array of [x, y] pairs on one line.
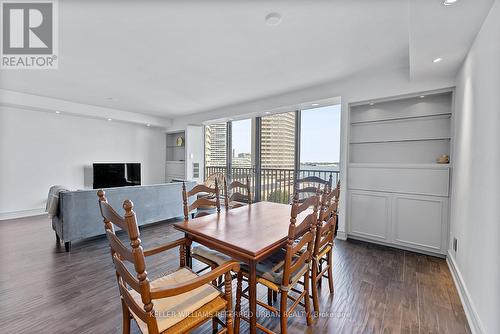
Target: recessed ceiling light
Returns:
[[268, 112], [109, 119], [449, 2], [371, 103], [148, 125], [58, 112], [273, 19], [315, 104], [422, 96], [437, 60]]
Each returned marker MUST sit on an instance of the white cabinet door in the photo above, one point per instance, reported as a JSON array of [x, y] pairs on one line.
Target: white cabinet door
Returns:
[[420, 221], [369, 214], [416, 221]]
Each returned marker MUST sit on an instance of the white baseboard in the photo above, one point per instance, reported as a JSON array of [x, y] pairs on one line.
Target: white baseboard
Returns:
[[475, 324], [341, 235], [391, 245], [21, 214]]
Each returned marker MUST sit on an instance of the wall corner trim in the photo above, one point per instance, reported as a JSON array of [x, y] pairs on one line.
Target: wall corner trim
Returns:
[[475, 324]]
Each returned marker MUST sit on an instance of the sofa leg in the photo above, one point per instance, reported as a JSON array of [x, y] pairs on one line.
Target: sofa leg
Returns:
[[58, 240], [67, 246]]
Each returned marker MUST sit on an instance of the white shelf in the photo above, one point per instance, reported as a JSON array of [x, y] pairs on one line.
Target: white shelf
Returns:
[[399, 165], [399, 140], [395, 119]]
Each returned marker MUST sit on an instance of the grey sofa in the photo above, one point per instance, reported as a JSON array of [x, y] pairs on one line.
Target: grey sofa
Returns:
[[79, 216]]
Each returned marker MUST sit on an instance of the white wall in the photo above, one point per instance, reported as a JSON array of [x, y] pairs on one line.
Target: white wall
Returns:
[[475, 213], [41, 149], [195, 151]]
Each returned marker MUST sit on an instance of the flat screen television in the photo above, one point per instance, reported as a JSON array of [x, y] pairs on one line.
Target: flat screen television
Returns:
[[107, 175]]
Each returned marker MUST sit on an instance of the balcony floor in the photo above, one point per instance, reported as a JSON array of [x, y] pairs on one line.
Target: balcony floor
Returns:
[[378, 289]]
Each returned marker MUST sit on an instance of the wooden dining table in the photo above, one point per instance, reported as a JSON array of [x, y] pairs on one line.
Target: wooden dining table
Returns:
[[248, 234]]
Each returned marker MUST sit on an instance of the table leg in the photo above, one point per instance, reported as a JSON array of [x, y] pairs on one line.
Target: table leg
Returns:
[[252, 294], [189, 259]]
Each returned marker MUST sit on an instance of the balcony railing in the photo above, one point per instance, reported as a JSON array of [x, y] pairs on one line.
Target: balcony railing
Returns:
[[274, 185]]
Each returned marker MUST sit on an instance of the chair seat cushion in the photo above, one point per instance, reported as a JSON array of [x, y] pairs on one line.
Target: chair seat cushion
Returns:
[[172, 310], [210, 254], [272, 268], [236, 204]]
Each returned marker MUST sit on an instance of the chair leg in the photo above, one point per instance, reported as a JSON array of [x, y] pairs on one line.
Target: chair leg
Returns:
[[229, 310], [237, 309], [307, 302], [269, 296], [283, 312], [126, 318], [320, 269], [58, 240], [215, 326], [314, 285], [330, 271], [67, 246]]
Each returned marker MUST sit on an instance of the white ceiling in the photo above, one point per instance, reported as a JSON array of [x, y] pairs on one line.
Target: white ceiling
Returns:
[[172, 58]]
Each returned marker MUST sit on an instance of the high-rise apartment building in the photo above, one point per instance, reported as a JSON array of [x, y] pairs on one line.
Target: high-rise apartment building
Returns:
[[278, 141], [215, 145]]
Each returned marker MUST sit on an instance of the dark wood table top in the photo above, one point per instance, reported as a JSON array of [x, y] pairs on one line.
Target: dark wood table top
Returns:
[[252, 230]]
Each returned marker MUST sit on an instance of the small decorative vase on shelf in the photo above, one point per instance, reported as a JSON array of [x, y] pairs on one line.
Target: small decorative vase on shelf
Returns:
[[179, 141], [444, 159]]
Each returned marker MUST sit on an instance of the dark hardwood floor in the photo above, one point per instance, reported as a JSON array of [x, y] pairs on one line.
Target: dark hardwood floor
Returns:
[[377, 289]]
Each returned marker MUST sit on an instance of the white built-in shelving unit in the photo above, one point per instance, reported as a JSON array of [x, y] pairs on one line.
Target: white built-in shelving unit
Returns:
[[176, 157], [397, 193]]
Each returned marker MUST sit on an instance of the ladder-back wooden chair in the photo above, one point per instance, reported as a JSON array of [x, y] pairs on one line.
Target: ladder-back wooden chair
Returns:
[[210, 257], [210, 199], [174, 303], [234, 197], [210, 181], [310, 186], [323, 244], [282, 271]]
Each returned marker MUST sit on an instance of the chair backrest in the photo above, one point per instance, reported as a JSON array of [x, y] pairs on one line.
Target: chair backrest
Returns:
[[304, 233], [239, 197], [311, 185], [210, 199], [210, 180], [327, 221], [120, 254], [331, 195]]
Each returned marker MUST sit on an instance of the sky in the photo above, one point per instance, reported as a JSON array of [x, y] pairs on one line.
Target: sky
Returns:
[[319, 140], [242, 136], [320, 137]]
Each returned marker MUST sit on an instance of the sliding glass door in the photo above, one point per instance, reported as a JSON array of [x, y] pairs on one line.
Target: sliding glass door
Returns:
[[320, 142], [215, 149], [243, 151], [277, 149]]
